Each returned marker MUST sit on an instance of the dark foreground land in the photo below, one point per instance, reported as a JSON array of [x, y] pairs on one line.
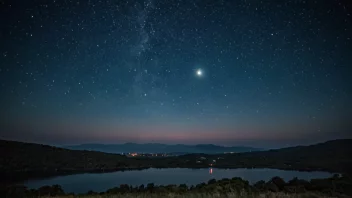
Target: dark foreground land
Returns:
[[336, 186], [25, 160]]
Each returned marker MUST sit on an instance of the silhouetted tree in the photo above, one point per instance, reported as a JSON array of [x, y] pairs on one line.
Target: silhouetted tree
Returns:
[[92, 193], [54, 190], [17, 191], [270, 186], [279, 182], [150, 187], [212, 181], [183, 187], [260, 185], [141, 187]]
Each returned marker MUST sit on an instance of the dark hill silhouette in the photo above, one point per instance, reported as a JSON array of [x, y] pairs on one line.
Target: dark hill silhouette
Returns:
[[332, 156], [26, 160]]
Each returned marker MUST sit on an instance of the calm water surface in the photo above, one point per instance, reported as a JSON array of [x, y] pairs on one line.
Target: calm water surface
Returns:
[[100, 182]]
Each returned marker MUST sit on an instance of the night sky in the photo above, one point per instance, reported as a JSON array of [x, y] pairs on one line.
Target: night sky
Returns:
[[249, 72]]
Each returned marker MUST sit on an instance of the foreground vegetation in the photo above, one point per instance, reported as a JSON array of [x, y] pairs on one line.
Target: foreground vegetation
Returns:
[[336, 186], [207, 195], [20, 161]]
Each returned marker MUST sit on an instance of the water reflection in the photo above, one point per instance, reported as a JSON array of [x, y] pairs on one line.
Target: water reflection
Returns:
[[82, 183]]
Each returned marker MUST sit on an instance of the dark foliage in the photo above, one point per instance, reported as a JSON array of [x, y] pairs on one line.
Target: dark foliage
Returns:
[[260, 185], [21, 191], [212, 181], [271, 187], [334, 186], [279, 182], [150, 187]]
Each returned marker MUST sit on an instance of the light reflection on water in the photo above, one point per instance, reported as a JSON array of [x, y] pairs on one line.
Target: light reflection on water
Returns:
[[100, 182]]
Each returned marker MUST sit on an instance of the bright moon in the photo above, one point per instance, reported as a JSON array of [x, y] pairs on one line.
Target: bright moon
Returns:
[[199, 72]]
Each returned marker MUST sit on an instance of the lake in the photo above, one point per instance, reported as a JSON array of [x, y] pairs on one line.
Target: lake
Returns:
[[99, 182]]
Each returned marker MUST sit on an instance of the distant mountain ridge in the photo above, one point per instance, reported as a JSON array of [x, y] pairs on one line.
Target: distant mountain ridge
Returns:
[[161, 148], [28, 160]]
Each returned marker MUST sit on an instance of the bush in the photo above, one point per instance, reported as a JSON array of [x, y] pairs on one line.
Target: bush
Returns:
[[141, 188], [115, 190], [299, 184], [212, 181], [17, 191], [92, 193], [270, 186], [260, 185], [54, 190], [279, 182], [183, 188], [124, 188], [239, 184], [150, 187]]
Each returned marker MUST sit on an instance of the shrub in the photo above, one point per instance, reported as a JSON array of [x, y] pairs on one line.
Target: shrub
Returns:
[[150, 187], [270, 186], [183, 188], [92, 193], [141, 188], [212, 181], [17, 191], [54, 190], [279, 182], [260, 185]]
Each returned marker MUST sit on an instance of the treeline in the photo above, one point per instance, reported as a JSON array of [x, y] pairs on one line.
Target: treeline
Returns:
[[335, 186], [26, 160], [332, 156]]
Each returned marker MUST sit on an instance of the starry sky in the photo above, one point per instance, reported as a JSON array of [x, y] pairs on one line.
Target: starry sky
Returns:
[[250, 72]]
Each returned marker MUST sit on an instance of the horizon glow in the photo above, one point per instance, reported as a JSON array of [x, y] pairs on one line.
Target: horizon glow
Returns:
[[229, 73]]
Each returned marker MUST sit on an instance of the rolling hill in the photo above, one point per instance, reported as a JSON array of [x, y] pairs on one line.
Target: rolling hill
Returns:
[[25, 160]]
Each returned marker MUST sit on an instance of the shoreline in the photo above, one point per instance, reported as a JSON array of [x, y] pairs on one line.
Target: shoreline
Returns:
[[19, 176], [235, 185]]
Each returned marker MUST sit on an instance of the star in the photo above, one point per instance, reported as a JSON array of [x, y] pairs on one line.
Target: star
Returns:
[[199, 72]]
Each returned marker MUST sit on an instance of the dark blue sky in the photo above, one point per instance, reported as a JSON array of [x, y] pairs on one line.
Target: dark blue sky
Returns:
[[274, 73]]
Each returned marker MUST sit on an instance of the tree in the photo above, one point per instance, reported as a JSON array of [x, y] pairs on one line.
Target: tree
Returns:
[[279, 182], [260, 185], [57, 190], [212, 181], [54, 190], [150, 187], [16, 191], [124, 188], [183, 187], [141, 188], [271, 187], [92, 192], [299, 182]]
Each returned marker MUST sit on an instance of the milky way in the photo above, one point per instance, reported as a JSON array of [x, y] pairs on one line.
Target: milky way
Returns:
[[266, 73]]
